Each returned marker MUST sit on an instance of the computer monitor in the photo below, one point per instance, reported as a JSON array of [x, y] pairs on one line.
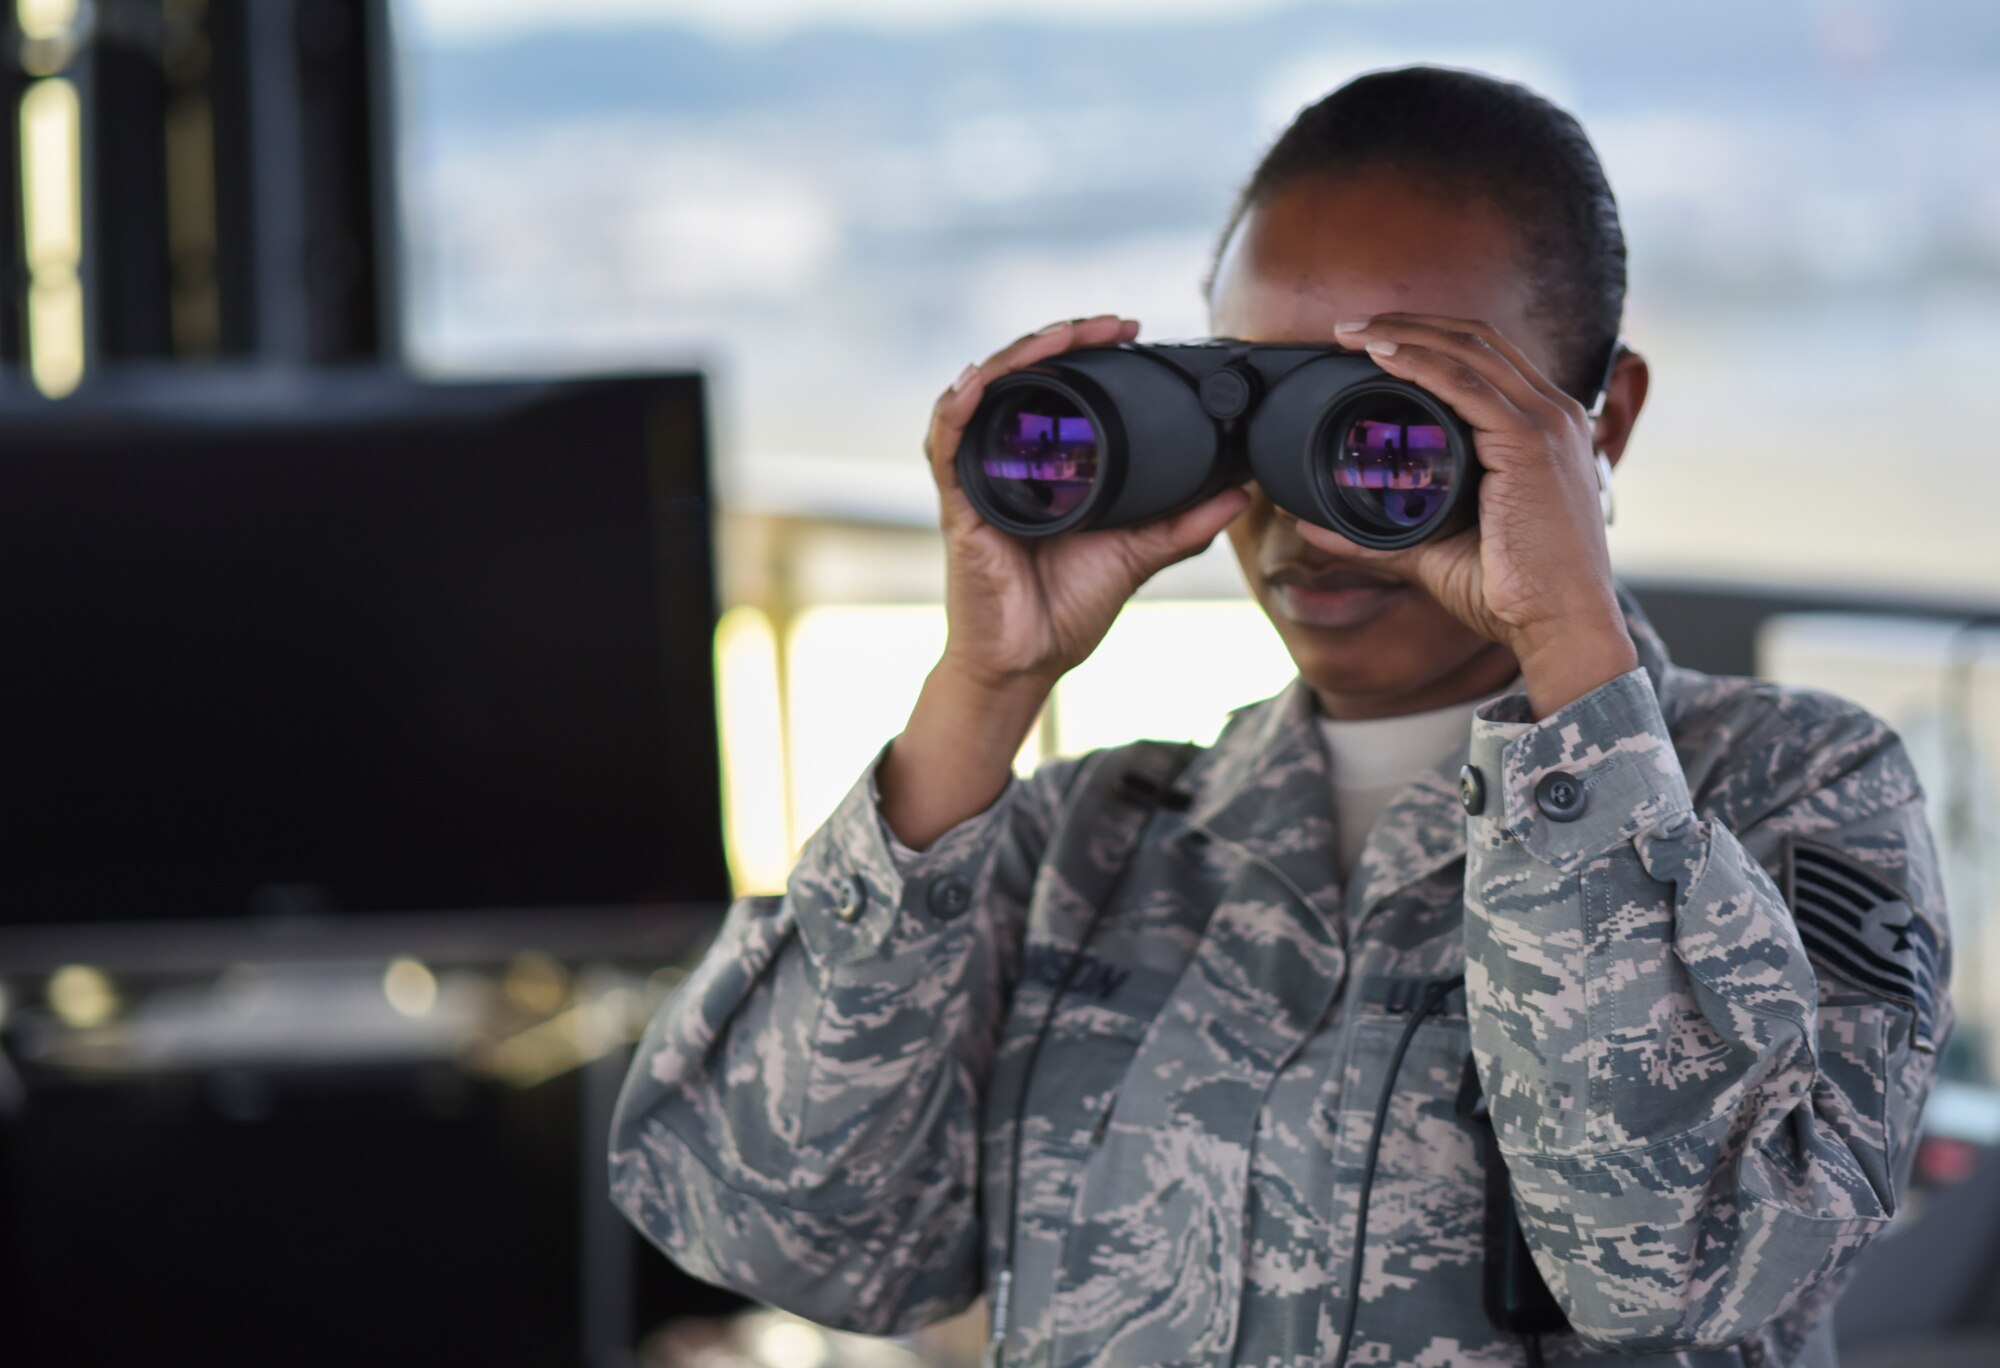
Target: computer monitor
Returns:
[[355, 643]]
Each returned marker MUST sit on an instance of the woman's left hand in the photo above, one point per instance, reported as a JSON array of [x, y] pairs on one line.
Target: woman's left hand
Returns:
[[1534, 573]]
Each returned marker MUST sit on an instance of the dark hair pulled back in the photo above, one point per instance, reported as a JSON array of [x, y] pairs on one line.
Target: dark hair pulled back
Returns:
[[1464, 133]]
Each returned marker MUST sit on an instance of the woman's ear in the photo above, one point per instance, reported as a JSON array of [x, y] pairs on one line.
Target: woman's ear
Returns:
[[1623, 398]]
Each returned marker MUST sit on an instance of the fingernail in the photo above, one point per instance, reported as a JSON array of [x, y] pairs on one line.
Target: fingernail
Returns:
[[1352, 325], [964, 378], [1381, 348], [1052, 328]]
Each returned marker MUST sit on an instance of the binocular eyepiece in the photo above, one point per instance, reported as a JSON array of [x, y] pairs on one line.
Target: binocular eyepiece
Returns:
[[1112, 436]]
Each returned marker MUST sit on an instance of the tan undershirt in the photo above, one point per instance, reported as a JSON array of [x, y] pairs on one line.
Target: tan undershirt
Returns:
[[1370, 761]]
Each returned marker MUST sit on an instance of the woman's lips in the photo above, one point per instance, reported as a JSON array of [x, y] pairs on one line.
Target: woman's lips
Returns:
[[1334, 600]]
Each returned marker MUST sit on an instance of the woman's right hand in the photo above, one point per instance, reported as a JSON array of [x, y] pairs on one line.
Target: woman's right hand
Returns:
[[1022, 612]]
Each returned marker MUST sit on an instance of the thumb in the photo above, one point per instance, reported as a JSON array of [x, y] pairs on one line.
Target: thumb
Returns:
[[1160, 544], [1437, 561]]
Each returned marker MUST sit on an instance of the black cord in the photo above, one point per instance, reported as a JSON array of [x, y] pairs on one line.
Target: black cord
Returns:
[[1135, 786], [1003, 1288], [1534, 1345], [1433, 998]]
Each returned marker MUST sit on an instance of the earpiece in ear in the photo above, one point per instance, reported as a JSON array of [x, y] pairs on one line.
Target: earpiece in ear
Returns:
[[1605, 503]]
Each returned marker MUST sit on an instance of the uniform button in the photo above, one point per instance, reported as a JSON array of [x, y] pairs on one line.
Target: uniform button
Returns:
[[1560, 796], [949, 897], [853, 897], [1471, 790]]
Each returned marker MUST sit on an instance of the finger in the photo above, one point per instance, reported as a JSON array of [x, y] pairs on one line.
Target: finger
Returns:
[[1432, 565], [1159, 544], [1501, 343], [1474, 386], [949, 416], [1471, 340], [1054, 339], [955, 407], [1462, 341]]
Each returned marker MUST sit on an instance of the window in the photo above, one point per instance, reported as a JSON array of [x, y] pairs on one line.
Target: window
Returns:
[[834, 205]]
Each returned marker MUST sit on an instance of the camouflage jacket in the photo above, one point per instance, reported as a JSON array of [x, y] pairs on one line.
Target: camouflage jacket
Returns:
[[1703, 947]]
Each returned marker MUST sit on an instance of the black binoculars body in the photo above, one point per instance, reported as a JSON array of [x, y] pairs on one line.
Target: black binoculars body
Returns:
[[1112, 436]]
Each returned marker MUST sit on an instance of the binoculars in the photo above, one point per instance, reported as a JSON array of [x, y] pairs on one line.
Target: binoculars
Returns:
[[1111, 436]]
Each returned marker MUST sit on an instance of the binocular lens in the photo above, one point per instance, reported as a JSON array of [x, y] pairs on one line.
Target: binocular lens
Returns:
[[1041, 457], [1392, 465]]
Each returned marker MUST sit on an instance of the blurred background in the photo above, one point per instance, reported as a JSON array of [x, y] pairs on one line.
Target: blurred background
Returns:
[[462, 519]]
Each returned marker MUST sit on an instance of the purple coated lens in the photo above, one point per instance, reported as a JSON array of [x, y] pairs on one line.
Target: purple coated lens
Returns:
[[1041, 456], [1393, 467]]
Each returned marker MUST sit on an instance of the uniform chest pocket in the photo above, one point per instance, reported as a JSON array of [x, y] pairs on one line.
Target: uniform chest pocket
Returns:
[[1091, 1036], [1427, 1204], [1058, 1076]]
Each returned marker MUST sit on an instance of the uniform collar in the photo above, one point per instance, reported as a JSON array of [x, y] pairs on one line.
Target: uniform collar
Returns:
[[1263, 787]]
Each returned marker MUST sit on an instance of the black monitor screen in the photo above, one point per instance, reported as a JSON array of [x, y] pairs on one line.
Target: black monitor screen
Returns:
[[355, 644]]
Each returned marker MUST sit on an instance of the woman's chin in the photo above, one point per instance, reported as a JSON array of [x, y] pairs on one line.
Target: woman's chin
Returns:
[[1386, 668]]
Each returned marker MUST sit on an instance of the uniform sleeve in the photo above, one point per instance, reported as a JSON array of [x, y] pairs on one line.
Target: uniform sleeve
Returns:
[[1707, 1103], [800, 1122]]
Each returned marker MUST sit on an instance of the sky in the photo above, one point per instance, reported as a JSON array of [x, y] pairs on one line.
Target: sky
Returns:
[[474, 19]]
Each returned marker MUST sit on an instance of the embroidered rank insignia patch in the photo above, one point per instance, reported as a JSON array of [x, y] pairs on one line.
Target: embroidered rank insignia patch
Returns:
[[1861, 927]]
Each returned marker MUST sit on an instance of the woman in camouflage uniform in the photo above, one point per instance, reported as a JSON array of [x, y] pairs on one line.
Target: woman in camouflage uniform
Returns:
[[1126, 1047]]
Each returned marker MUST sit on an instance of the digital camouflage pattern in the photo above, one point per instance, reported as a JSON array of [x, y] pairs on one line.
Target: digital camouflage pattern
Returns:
[[1703, 1119]]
